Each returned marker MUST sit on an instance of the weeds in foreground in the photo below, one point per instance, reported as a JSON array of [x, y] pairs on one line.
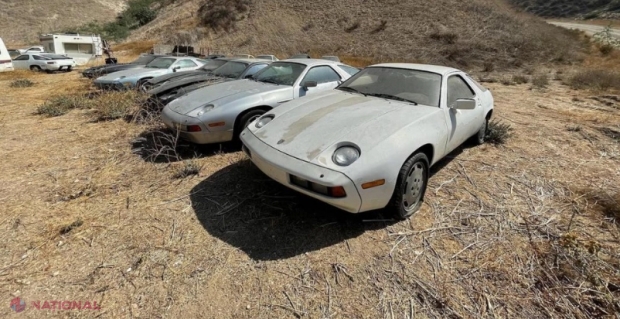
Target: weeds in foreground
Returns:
[[21, 83], [62, 104], [189, 168], [116, 105], [498, 132]]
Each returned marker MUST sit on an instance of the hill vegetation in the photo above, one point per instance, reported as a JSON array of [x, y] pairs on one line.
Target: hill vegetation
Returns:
[[457, 33], [21, 22]]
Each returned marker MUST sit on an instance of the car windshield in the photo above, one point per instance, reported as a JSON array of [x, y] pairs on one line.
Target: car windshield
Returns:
[[144, 60], [230, 69], [282, 73], [213, 64], [414, 86], [161, 63]]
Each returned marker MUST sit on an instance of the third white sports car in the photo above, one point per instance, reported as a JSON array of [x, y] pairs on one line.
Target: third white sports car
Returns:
[[370, 143]]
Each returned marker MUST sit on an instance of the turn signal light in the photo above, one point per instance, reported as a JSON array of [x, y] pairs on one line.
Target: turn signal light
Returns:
[[372, 184], [337, 192], [216, 124]]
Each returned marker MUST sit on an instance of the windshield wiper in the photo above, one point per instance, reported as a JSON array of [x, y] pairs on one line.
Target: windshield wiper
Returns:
[[392, 97], [269, 81], [350, 89]]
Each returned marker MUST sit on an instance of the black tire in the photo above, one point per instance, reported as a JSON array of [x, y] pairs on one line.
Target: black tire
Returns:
[[249, 117], [35, 68], [69, 69], [410, 187], [479, 138], [140, 85]]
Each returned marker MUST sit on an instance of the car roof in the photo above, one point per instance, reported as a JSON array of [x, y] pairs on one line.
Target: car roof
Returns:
[[443, 70], [250, 61], [311, 62]]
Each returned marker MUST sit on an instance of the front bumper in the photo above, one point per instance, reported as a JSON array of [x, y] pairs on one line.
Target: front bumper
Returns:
[[176, 121], [280, 166]]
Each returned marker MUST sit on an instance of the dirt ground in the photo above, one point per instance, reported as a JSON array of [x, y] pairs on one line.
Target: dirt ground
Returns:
[[515, 230]]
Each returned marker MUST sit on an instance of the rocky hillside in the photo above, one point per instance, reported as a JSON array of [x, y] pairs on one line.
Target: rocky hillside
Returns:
[[572, 8], [485, 33], [22, 21]]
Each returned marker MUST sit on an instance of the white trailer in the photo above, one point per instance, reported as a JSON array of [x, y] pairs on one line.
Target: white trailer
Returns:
[[82, 48]]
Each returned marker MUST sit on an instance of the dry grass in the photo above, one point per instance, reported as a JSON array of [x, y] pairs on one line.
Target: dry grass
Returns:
[[134, 48], [504, 232]]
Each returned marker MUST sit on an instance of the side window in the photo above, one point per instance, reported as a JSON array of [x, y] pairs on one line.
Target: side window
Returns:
[[255, 68], [458, 89], [186, 64], [22, 58], [349, 69], [38, 57], [322, 74], [482, 88]]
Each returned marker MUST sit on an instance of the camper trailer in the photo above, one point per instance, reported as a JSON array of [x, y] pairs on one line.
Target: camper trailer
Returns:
[[82, 48]]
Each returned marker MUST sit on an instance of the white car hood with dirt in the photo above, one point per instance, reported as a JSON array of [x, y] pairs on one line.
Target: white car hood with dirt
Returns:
[[306, 127], [222, 94]]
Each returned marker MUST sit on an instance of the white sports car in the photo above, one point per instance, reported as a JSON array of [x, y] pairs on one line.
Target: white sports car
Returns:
[[369, 144]]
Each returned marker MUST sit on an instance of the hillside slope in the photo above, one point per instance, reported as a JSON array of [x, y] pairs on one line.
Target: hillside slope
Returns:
[[571, 8], [460, 33], [22, 21]]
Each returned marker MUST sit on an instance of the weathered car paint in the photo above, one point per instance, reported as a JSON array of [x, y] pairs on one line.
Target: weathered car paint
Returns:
[[387, 132]]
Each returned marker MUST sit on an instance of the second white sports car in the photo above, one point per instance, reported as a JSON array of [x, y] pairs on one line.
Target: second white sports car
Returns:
[[370, 143]]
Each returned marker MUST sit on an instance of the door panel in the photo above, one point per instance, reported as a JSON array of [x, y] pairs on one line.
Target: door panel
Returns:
[[462, 124]]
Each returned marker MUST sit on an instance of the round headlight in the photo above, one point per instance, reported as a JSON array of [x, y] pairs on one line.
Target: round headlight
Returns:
[[264, 120], [346, 155], [205, 109]]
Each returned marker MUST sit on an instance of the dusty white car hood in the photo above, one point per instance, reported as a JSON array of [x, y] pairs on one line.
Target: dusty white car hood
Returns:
[[305, 130], [228, 92]]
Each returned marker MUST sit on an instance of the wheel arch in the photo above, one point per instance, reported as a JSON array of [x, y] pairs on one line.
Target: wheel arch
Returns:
[[236, 124], [489, 114]]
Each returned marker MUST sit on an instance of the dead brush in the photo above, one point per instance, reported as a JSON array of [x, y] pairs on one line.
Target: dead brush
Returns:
[[595, 80], [188, 168], [110, 106], [520, 79], [498, 133], [540, 81], [21, 83], [62, 104], [223, 14]]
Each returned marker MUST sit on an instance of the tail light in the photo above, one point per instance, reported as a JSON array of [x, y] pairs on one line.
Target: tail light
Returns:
[[5, 61], [194, 128]]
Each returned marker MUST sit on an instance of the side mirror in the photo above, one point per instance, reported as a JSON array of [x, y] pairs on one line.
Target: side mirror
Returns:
[[309, 84], [464, 104], [249, 76], [175, 68]]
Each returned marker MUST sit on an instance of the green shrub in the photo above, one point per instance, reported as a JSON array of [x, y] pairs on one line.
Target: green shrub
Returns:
[[498, 132], [21, 83]]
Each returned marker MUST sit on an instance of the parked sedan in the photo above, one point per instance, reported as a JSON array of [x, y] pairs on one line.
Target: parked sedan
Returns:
[[218, 113], [135, 78], [370, 143], [269, 57], [204, 72], [102, 70], [231, 70], [43, 62]]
